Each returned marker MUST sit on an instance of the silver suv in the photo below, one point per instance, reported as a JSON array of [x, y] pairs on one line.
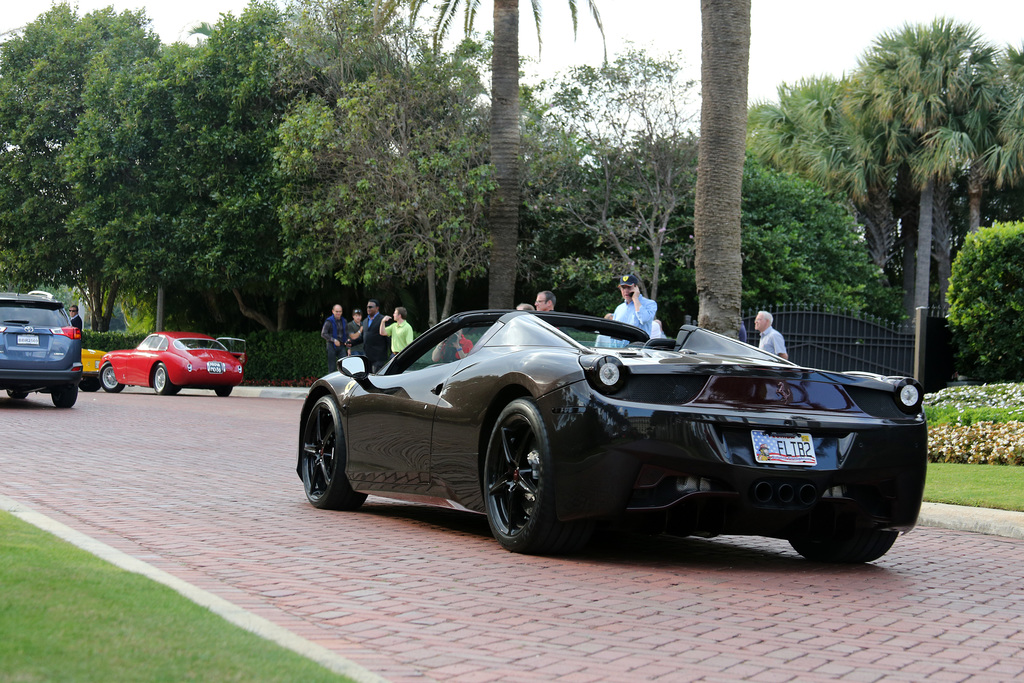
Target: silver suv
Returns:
[[39, 348]]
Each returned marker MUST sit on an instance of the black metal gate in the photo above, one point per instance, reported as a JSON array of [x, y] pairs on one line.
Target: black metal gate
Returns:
[[840, 341]]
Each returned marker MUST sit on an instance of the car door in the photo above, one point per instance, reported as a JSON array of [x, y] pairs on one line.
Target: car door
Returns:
[[389, 429], [138, 363]]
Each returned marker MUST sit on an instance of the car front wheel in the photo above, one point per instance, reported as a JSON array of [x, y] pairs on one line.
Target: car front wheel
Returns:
[[322, 460], [64, 397], [162, 383], [518, 487], [865, 545], [108, 378], [89, 384], [223, 391], [17, 394]]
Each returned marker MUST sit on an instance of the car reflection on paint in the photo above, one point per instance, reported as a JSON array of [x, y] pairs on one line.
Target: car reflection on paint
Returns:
[[552, 424]]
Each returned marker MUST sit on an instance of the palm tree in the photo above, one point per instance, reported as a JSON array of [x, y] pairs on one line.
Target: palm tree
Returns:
[[1004, 162], [504, 204], [725, 52], [814, 132], [936, 83]]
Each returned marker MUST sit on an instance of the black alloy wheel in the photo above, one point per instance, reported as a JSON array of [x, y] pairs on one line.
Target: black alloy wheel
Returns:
[[108, 379], [322, 460], [518, 487]]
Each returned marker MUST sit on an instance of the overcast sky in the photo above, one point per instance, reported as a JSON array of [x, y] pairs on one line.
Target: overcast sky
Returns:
[[790, 39]]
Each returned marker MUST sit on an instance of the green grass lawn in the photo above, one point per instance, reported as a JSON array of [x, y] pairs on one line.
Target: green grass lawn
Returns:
[[66, 615], [991, 486]]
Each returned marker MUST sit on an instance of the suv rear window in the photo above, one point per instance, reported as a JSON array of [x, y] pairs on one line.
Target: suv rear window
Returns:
[[31, 313]]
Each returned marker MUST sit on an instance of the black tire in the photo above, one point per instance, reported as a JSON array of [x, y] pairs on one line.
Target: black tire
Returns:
[[865, 545], [108, 379], [162, 384], [18, 395], [223, 391], [65, 396], [89, 384], [518, 487], [322, 460]]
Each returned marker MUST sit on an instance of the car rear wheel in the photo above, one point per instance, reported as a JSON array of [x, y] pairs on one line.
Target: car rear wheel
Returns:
[[865, 545], [108, 379], [89, 384], [162, 383], [17, 394], [322, 460], [518, 487], [223, 391], [65, 396]]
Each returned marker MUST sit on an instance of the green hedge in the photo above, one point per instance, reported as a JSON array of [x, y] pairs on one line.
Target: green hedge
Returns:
[[287, 358], [111, 341], [986, 302]]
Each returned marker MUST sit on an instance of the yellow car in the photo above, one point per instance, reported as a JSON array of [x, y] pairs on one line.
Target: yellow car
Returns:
[[90, 370]]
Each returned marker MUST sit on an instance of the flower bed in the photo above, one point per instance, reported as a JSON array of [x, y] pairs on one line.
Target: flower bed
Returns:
[[966, 435], [983, 443]]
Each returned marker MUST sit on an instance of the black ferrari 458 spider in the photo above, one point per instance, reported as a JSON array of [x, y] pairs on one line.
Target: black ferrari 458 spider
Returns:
[[553, 423]]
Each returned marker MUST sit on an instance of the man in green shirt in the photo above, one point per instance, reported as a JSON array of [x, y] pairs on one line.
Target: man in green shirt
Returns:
[[400, 332]]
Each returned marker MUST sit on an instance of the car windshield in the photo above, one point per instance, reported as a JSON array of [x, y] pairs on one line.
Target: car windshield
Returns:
[[566, 331], [198, 344]]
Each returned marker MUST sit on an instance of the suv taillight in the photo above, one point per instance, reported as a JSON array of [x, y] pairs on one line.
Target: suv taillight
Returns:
[[71, 332]]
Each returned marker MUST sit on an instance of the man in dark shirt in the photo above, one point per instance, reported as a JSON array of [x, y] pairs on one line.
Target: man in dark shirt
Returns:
[[334, 334], [76, 320], [375, 345]]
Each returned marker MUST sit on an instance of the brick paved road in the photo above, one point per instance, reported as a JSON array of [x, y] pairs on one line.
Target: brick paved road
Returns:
[[205, 489]]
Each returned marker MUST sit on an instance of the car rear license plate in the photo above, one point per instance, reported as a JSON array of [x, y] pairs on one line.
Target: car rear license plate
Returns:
[[215, 368], [783, 448], [28, 340]]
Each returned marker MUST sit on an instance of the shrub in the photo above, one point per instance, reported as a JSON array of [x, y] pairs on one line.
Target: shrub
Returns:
[[111, 341], [986, 303], [284, 357]]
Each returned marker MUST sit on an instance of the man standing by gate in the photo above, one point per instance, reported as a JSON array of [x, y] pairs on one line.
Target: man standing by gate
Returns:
[[771, 339]]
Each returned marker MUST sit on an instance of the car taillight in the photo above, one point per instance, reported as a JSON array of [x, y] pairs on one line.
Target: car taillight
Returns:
[[70, 332]]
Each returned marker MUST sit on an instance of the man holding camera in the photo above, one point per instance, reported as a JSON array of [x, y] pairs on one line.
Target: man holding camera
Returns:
[[635, 309]]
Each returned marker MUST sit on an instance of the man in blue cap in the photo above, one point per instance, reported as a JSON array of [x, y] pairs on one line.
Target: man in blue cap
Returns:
[[635, 309]]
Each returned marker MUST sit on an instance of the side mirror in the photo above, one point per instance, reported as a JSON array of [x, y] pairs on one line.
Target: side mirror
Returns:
[[356, 367]]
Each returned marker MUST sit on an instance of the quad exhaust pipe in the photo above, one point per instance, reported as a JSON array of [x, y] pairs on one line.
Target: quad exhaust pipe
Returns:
[[781, 493]]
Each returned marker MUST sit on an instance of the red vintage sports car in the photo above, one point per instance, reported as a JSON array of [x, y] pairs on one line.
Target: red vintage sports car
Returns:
[[170, 361]]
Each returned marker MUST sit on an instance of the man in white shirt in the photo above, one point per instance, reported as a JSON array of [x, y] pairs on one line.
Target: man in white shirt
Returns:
[[771, 339]]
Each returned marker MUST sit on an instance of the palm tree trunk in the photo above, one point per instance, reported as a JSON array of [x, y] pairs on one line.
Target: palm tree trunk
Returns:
[[975, 188], [923, 270], [725, 51], [504, 206]]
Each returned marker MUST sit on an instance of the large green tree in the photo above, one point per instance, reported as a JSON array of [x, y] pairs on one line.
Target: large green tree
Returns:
[[725, 51], [387, 175], [937, 82], [634, 156], [228, 104], [503, 215], [62, 82]]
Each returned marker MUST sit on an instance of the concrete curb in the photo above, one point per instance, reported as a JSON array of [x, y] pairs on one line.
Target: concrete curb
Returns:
[[979, 520], [232, 613]]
